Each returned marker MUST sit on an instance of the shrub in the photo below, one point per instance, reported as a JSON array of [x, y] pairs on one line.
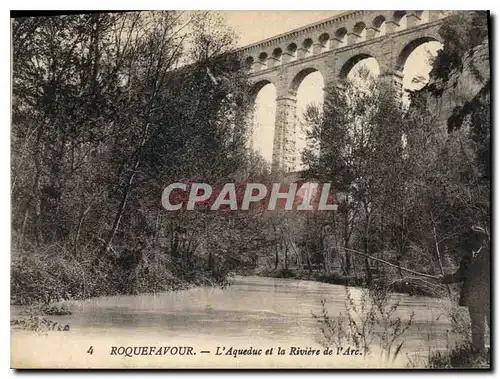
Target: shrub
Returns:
[[369, 321], [460, 357]]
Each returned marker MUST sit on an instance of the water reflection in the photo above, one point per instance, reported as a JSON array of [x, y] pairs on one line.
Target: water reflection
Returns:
[[256, 308]]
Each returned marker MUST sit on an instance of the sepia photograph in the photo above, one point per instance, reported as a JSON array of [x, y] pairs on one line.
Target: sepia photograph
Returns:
[[250, 189]]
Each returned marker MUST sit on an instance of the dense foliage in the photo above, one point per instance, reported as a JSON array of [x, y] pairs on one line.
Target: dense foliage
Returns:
[[107, 110], [105, 114], [410, 188]]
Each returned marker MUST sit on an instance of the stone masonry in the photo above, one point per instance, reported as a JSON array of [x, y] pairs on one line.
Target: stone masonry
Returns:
[[333, 47]]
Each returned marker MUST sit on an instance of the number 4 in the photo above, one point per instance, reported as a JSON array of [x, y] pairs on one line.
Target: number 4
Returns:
[[90, 350]]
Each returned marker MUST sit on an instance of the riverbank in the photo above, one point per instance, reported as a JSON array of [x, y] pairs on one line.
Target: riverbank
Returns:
[[252, 310], [38, 280], [460, 357], [409, 285]]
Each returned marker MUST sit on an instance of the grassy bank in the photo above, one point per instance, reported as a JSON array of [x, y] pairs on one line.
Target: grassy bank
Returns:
[[39, 279], [411, 286], [460, 357]]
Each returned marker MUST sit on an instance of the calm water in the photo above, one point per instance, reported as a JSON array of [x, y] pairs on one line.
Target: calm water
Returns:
[[255, 309]]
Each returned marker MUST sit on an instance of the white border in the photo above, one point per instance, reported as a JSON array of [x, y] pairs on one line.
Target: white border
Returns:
[[189, 5]]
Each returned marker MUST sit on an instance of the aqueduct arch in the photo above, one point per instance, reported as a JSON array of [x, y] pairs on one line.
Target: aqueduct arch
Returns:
[[350, 63], [409, 48], [299, 78], [257, 86], [263, 121], [333, 47]]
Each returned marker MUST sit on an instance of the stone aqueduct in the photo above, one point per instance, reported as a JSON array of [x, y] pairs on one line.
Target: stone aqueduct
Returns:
[[333, 47]]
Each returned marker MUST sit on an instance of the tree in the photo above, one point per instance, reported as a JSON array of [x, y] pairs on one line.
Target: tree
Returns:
[[359, 135], [107, 109]]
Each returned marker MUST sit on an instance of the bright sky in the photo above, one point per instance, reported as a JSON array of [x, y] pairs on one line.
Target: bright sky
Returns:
[[253, 26]]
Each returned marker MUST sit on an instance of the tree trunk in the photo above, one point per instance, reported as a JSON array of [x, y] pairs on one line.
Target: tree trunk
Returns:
[[128, 188], [346, 243], [286, 256], [366, 247], [23, 227], [276, 249]]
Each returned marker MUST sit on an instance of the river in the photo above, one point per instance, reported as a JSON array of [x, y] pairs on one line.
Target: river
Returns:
[[251, 312]]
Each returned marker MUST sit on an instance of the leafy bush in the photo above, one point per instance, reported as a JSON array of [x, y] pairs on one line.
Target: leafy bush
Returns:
[[38, 278], [460, 33], [369, 321], [54, 274], [460, 357]]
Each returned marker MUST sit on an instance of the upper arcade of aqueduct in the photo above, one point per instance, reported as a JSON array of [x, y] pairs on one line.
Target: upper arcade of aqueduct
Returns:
[[333, 47]]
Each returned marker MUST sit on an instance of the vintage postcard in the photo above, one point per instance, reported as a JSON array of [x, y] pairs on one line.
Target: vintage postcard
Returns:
[[250, 189]]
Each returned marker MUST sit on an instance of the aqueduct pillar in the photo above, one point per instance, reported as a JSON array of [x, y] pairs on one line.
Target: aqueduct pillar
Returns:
[[285, 133], [333, 47]]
